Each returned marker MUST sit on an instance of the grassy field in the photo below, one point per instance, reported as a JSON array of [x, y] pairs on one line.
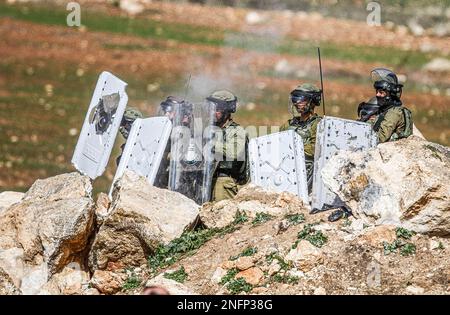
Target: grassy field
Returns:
[[43, 99]]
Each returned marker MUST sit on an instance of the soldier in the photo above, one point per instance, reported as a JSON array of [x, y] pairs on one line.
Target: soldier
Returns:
[[368, 111], [305, 98], [130, 115], [231, 150], [393, 121]]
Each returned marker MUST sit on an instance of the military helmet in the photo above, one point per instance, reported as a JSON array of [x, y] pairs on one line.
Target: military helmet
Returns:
[[386, 80], [306, 91], [168, 105], [130, 115], [368, 109], [224, 100]]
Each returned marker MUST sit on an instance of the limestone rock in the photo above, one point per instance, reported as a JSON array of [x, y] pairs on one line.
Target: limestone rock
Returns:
[[254, 275], [47, 230], [71, 280], [438, 65], [107, 282], [7, 287], [403, 183], [251, 200], [132, 7], [377, 235], [174, 288], [101, 208], [415, 290], [244, 263], [140, 218], [218, 274], [305, 256], [8, 198]]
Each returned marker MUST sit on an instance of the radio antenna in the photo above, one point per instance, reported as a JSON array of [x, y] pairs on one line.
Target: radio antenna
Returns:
[[321, 80]]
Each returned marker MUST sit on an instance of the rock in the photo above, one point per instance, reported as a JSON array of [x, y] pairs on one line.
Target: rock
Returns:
[[441, 29], [251, 200], [218, 274], [274, 268], [320, 291], [433, 244], [253, 275], [377, 235], [132, 7], [71, 280], [402, 183], [401, 30], [253, 18], [107, 282], [415, 28], [91, 291], [438, 65], [417, 133], [7, 286], [305, 256], [428, 47], [47, 230], [101, 208], [174, 288], [284, 67], [141, 217], [244, 263], [229, 264], [8, 198], [415, 290]]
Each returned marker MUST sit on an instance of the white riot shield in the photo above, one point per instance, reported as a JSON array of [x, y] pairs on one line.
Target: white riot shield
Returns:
[[191, 161], [333, 135], [145, 148], [100, 126], [277, 161]]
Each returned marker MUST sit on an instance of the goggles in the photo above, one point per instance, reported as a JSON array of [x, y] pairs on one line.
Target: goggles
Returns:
[[299, 98]]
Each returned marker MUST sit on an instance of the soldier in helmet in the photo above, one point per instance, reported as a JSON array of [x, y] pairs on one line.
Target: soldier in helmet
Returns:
[[304, 99], [368, 111], [231, 151], [394, 121], [130, 115]]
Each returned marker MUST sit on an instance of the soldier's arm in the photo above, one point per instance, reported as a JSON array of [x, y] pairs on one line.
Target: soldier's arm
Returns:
[[310, 147], [389, 125], [284, 126]]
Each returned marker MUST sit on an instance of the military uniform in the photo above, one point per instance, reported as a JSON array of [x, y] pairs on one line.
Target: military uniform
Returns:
[[393, 124], [307, 131], [232, 171], [130, 115]]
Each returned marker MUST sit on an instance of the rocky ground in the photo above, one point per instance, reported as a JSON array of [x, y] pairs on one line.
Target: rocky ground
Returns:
[[56, 240]]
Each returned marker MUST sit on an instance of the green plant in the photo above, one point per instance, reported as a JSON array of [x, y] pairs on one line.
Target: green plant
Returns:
[[261, 217], [408, 249], [346, 222], [229, 275], [390, 248], [283, 264], [240, 217], [404, 233], [316, 238], [287, 279], [132, 282], [249, 251], [236, 286], [179, 275], [295, 218], [440, 246]]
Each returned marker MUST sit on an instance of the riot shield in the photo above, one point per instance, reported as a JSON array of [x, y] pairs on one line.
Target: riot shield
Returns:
[[277, 161], [100, 126], [145, 148], [334, 135], [191, 160]]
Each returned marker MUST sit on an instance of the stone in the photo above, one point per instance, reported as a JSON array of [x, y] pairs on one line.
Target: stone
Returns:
[[244, 263], [91, 291], [377, 235], [438, 65], [131, 7], [402, 183], [417, 133], [218, 274], [70, 281], [107, 282], [101, 208], [172, 286], [48, 229], [7, 286], [274, 268], [251, 199], [415, 290], [141, 218], [305, 256], [254, 275], [320, 291], [253, 18], [229, 264], [415, 28], [433, 244], [8, 198]]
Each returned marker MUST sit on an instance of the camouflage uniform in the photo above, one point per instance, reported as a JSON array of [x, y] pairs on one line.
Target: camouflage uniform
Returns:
[[307, 129], [231, 150], [130, 115], [393, 124]]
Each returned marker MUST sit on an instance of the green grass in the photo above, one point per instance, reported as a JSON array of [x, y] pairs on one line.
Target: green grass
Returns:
[[261, 218], [404, 233], [179, 275], [316, 238], [236, 286], [249, 251], [231, 273], [400, 245], [184, 33], [295, 219]]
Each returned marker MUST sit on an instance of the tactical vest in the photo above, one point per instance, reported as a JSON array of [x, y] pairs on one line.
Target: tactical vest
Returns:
[[408, 130], [303, 128]]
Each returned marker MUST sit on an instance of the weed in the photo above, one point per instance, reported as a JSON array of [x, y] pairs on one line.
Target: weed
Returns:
[[236, 286], [404, 233], [179, 276], [229, 276], [287, 279], [295, 219], [441, 246], [249, 251], [390, 248], [261, 218], [408, 249], [283, 264], [316, 238], [132, 282]]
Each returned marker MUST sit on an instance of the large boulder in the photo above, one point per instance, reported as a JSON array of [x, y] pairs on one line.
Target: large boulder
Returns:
[[140, 218], [404, 183], [70, 281], [8, 198], [47, 230], [251, 200]]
